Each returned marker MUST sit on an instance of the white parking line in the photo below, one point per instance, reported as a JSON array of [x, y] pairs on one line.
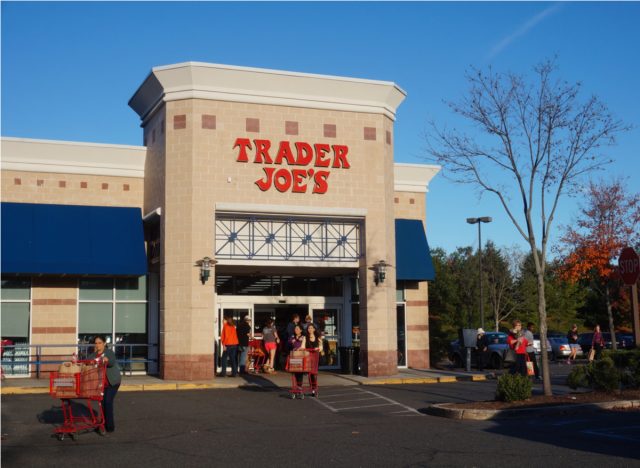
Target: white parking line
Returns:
[[366, 406], [408, 408], [345, 401], [358, 391], [329, 407]]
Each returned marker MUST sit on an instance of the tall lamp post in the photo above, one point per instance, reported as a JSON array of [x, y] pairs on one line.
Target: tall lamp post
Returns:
[[479, 221]]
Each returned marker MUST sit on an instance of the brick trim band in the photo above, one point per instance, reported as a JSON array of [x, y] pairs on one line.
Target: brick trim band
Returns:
[[417, 327], [417, 303], [45, 330], [54, 302]]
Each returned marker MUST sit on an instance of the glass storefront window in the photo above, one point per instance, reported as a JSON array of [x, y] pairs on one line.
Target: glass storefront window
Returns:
[[15, 321], [278, 284], [116, 308], [15, 315], [95, 319], [402, 338], [400, 291], [131, 289], [98, 289]]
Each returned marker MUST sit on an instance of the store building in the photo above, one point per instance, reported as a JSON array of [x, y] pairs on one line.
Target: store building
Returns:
[[286, 181]]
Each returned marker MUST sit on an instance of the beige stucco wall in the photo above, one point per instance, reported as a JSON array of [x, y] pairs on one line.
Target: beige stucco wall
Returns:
[[412, 205], [201, 169], [71, 189]]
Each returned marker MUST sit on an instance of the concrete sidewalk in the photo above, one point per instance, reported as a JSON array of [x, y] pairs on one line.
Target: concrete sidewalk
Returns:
[[280, 379]]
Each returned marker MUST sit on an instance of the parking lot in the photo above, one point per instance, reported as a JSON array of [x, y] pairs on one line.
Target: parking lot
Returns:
[[382, 425]]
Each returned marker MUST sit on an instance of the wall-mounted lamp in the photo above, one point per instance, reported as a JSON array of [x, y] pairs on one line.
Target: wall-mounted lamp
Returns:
[[205, 268], [380, 271]]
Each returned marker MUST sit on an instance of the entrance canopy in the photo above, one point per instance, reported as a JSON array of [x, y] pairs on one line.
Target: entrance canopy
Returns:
[[72, 240], [413, 258]]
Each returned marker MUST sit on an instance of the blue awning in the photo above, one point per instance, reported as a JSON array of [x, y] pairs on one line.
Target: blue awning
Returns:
[[413, 258], [72, 240]]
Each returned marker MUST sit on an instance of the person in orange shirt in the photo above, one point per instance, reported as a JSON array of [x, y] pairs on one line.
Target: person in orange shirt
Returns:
[[229, 340], [518, 343]]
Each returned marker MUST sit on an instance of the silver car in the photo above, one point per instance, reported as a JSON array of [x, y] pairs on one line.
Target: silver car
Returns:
[[560, 348]]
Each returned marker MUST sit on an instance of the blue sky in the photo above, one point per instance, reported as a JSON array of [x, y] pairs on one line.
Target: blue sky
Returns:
[[68, 69]]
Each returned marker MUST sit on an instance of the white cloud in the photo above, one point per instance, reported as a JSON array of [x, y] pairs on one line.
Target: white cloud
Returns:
[[523, 29]]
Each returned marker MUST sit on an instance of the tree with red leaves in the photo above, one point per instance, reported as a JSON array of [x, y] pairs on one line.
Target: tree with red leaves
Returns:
[[609, 220]]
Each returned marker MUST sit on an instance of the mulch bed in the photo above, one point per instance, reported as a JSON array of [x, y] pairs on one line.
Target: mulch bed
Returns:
[[554, 400]]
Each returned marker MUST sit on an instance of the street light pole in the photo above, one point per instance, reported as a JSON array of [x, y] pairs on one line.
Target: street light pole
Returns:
[[479, 221]]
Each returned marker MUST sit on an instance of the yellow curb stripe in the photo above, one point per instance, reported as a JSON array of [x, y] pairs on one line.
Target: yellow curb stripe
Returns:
[[24, 390], [131, 388], [447, 379], [158, 387], [200, 386]]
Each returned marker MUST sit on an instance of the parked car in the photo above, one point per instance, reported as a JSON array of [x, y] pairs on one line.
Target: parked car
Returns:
[[625, 341], [561, 349], [536, 344], [495, 358]]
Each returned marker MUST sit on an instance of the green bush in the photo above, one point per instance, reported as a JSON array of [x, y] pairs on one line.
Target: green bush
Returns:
[[579, 377], [513, 387], [622, 358], [605, 375]]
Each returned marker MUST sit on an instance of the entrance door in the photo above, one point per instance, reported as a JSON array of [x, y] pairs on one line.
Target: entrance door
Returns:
[[327, 321], [238, 313]]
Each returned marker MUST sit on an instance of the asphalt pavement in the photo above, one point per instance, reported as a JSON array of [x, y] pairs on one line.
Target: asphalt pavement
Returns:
[[348, 425]]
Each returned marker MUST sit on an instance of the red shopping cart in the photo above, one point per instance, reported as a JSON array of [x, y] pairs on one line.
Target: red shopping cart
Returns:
[[303, 362], [84, 380], [257, 356]]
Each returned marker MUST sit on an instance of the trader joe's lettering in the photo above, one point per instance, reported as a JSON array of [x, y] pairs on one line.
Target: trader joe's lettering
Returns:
[[294, 179]]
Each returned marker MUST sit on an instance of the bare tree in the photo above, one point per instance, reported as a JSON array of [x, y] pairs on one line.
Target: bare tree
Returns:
[[536, 141], [500, 284]]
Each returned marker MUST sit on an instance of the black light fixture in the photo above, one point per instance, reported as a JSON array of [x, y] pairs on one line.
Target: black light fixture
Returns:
[[380, 271], [205, 268]]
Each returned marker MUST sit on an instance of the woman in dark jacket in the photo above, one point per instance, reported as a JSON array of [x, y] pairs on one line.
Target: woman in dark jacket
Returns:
[[101, 352], [597, 343]]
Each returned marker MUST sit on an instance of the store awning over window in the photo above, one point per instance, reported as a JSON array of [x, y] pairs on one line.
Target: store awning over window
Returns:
[[72, 240], [413, 258]]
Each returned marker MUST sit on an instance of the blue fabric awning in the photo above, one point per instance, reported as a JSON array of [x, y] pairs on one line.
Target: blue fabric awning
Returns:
[[413, 258], [72, 240]]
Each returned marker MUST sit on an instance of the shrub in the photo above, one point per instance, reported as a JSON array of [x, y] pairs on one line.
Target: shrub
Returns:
[[605, 375], [579, 377], [513, 387]]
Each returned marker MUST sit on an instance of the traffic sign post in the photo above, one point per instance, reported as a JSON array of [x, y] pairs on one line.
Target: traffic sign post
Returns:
[[629, 267]]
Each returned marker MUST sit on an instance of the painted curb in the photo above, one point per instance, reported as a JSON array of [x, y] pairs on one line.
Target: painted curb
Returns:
[[445, 410], [158, 387]]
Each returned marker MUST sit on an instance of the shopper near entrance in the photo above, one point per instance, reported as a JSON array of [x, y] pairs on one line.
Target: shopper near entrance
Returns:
[[572, 338], [102, 352], [297, 342], [244, 335], [482, 346], [295, 320], [313, 342], [271, 340], [308, 321], [531, 352], [229, 340], [518, 343], [597, 344]]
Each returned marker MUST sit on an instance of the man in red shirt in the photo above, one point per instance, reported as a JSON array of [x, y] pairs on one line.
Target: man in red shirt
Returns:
[[229, 339], [518, 343]]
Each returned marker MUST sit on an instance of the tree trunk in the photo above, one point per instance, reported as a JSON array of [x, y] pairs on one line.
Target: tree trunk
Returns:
[[542, 314], [614, 343]]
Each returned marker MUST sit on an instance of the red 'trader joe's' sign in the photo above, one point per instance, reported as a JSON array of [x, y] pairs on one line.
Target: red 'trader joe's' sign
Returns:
[[313, 163]]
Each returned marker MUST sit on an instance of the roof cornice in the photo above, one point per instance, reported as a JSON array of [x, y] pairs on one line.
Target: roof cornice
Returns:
[[195, 80], [71, 157], [413, 177]]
